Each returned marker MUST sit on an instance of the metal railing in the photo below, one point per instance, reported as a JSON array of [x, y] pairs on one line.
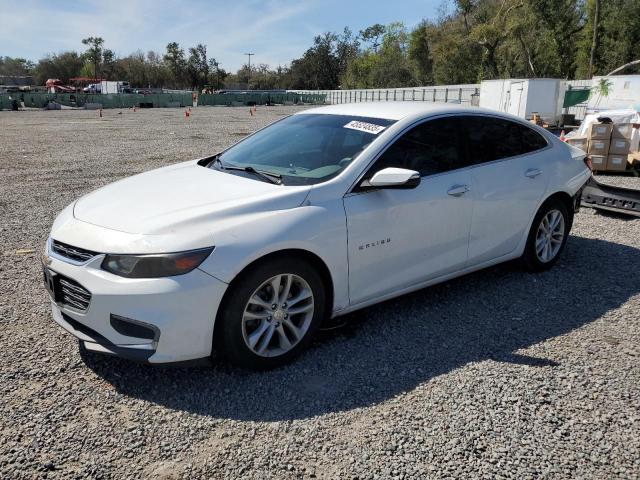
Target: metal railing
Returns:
[[462, 94], [466, 94], [260, 98]]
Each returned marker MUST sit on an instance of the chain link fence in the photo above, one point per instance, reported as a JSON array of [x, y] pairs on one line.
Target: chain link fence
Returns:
[[466, 94]]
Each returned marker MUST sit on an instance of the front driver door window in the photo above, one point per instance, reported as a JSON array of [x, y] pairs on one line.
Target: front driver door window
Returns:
[[399, 238]]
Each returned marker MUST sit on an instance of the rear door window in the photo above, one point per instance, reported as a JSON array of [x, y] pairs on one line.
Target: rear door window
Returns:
[[490, 139]]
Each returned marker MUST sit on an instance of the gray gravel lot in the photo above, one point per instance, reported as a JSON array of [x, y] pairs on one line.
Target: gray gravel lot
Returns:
[[626, 180], [500, 374]]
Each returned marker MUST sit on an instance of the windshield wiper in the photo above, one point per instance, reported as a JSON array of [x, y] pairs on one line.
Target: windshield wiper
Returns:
[[268, 176]]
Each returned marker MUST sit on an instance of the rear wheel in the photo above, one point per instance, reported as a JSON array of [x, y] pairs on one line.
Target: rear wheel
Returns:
[[547, 237], [271, 314]]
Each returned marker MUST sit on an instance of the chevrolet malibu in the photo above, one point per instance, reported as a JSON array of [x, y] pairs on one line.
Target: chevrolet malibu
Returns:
[[246, 252]]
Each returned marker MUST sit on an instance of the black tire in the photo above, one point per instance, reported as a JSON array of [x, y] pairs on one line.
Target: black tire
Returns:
[[530, 258], [228, 337]]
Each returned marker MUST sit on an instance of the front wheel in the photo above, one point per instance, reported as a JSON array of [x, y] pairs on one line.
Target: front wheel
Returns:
[[547, 237], [271, 314]]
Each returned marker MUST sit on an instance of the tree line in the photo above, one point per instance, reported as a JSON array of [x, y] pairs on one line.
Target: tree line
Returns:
[[471, 40]]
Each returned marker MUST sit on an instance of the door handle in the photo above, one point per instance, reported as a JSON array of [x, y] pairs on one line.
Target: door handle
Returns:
[[458, 190], [533, 172]]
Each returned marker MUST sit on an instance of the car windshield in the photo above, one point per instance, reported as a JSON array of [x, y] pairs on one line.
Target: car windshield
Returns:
[[303, 149]]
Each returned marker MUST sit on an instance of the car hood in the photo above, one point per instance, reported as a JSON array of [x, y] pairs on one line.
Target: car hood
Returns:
[[174, 199]]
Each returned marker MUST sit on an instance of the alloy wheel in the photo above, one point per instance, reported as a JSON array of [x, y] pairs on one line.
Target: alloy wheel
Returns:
[[277, 315], [549, 236]]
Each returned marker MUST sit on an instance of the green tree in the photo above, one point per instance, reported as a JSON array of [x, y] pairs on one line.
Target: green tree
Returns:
[[456, 58], [263, 78], [392, 67], [386, 66], [465, 8], [372, 36], [618, 37], [15, 66], [218, 74], [346, 49], [318, 66], [420, 54], [197, 66], [490, 31], [561, 21], [109, 66], [156, 72], [177, 64], [63, 66], [324, 63], [359, 73], [134, 69], [94, 52]]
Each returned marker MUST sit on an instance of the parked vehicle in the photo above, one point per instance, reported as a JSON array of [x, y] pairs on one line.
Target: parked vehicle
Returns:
[[93, 88], [324, 212], [107, 86]]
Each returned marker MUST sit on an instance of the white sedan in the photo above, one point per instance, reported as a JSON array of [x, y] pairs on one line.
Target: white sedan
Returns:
[[324, 212]]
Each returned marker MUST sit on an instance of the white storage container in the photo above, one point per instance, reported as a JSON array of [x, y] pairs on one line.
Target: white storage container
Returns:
[[523, 97]]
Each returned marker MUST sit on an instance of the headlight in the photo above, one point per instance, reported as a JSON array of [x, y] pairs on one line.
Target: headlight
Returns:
[[154, 266]]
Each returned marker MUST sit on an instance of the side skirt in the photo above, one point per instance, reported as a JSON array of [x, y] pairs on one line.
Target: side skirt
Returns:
[[428, 283]]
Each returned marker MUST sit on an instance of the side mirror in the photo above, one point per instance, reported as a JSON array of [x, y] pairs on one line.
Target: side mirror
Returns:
[[392, 177]]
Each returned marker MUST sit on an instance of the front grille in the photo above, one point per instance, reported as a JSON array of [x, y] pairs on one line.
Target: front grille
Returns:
[[73, 294], [74, 253]]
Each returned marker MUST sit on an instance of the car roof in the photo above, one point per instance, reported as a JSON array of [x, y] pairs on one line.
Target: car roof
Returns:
[[393, 110], [409, 111]]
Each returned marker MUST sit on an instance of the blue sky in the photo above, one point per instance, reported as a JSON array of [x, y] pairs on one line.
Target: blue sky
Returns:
[[275, 30]]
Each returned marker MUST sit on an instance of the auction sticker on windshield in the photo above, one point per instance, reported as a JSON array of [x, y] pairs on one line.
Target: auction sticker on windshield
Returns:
[[365, 127]]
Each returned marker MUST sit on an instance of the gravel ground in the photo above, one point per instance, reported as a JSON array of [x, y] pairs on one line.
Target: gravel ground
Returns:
[[627, 179], [500, 374]]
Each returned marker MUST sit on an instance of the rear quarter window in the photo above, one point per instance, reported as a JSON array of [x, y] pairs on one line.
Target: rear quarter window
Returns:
[[531, 140]]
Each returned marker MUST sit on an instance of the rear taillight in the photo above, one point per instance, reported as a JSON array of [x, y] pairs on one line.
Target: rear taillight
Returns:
[[588, 163]]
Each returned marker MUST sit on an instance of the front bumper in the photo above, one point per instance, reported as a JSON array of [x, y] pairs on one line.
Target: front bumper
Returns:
[[181, 310]]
